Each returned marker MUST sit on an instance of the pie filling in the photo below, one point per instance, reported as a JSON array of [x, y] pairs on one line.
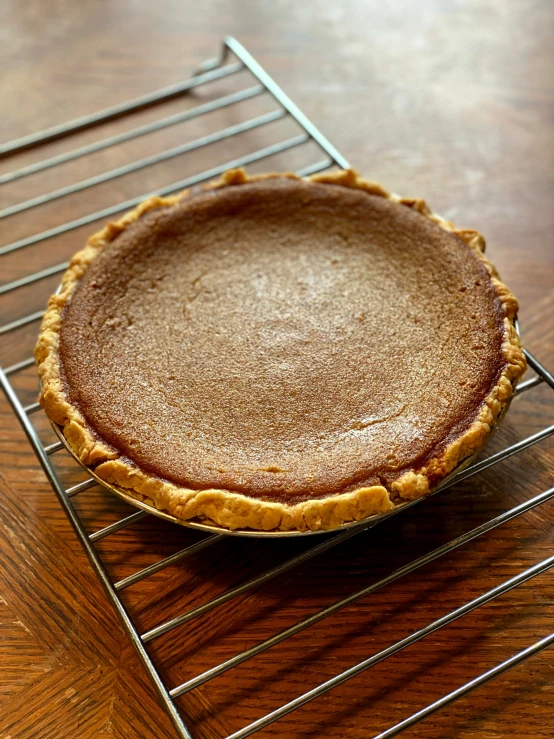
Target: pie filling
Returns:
[[282, 339]]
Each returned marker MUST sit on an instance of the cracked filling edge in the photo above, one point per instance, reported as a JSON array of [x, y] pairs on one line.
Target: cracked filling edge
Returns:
[[234, 510]]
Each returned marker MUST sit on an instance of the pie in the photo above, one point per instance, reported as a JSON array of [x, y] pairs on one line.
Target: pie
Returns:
[[278, 353]]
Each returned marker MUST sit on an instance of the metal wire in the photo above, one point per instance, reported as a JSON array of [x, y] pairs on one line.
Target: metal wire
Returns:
[[486, 677], [529, 384], [51, 448], [12, 369], [32, 408], [20, 322], [539, 368], [157, 566], [80, 487], [213, 70], [117, 526]]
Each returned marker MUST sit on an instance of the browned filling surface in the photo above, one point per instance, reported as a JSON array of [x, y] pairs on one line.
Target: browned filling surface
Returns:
[[282, 339]]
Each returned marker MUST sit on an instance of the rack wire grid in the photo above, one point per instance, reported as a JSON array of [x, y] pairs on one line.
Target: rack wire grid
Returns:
[[233, 59]]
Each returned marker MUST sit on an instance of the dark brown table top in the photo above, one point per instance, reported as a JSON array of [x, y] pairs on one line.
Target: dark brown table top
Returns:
[[444, 100]]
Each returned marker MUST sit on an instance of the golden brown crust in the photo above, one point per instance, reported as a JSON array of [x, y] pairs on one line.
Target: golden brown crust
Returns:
[[233, 510]]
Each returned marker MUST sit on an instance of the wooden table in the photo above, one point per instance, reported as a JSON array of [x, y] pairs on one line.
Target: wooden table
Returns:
[[446, 100]]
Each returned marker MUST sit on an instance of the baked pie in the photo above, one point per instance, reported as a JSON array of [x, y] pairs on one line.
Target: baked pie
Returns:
[[279, 353]]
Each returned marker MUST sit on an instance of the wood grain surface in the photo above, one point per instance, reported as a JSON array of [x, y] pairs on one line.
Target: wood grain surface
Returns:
[[452, 101]]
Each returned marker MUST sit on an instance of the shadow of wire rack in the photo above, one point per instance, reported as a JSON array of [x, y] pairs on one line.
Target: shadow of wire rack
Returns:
[[234, 58]]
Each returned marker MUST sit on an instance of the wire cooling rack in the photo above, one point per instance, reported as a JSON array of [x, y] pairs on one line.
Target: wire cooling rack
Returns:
[[234, 59]]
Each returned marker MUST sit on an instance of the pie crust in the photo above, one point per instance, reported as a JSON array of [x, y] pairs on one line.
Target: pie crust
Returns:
[[237, 510]]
